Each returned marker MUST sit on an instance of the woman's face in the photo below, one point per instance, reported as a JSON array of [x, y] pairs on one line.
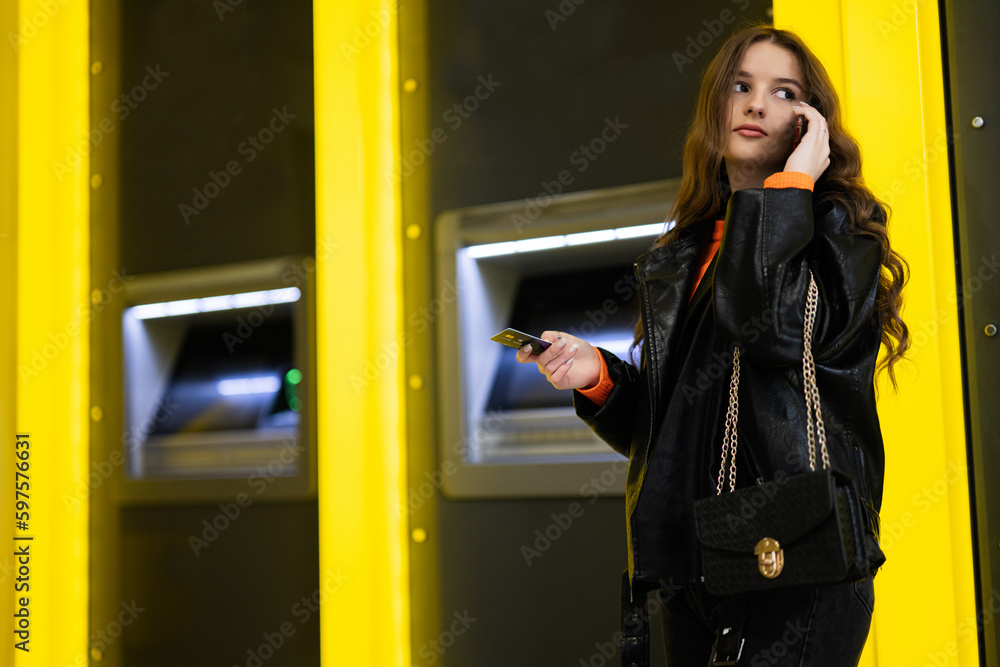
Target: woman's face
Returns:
[[761, 123]]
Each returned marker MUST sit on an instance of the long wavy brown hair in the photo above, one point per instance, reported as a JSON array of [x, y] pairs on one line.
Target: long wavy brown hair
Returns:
[[704, 187]]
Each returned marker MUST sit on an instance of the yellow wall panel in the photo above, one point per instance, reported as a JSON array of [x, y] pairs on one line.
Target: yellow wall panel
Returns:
[[892, 88], [365, 621], [48, 297], [8, 309]]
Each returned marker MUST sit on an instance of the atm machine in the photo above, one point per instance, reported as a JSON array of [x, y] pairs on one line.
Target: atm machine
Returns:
[[217, 371], [506, 431]]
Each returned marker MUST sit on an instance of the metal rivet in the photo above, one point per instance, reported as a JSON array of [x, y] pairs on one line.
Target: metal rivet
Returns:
[[97, 67], [419, 535], [96, 297], [410, 85], [96, 654], [635, 640], [416, 382], [413, 232], [635, 617], [96, 413], [96, 181], [978, 122], [991, 330]]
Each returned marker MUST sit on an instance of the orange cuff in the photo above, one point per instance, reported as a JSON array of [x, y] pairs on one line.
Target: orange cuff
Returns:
[[790, 179], [599, 392]]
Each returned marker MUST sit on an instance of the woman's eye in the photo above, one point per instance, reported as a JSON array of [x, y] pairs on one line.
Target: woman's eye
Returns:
[[785, 94], [740, 87]]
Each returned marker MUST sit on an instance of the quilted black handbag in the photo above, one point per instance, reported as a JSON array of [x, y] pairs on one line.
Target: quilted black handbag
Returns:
[[795, 530]]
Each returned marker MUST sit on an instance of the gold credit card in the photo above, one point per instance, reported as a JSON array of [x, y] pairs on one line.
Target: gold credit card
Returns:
[[518, 339]]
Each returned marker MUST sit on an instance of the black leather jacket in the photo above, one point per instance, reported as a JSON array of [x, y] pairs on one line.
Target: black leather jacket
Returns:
[[668, 417]]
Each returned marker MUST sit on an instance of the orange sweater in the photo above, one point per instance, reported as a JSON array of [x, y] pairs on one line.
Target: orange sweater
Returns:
[[782, 179]]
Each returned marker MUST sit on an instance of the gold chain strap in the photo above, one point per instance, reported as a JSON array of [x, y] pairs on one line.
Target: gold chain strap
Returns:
[[730, 438], [814, 422]]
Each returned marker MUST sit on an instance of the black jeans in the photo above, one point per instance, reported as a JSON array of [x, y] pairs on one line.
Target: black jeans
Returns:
[[812, 627]]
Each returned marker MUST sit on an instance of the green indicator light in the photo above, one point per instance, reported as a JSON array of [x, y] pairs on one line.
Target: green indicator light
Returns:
[[295, 404], [294, 376]]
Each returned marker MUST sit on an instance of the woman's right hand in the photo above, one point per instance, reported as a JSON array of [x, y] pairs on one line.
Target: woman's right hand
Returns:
[[569, 363], [812, 155]]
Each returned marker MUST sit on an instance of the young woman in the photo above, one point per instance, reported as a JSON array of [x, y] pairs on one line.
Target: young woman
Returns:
[[755, 213]]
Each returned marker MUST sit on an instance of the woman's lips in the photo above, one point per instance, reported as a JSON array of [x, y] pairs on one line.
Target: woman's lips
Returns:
[[750, 133]]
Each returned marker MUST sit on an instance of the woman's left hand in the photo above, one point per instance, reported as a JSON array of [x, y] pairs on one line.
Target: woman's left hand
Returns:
[[812, 155]]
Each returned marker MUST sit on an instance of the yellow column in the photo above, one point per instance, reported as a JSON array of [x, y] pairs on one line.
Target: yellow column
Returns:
[[886, 61], [365, 616], [48, 297], [8, 313]]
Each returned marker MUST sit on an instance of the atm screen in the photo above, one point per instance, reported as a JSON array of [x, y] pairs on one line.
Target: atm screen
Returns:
[[584, 304], [226, 382]]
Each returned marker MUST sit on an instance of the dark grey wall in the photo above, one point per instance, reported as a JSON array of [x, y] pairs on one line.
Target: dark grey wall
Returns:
[[219, 598], [216, 147], [555, 80]]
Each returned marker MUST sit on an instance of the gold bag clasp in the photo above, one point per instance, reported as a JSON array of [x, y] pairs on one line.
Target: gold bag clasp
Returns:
[[770, 557]]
